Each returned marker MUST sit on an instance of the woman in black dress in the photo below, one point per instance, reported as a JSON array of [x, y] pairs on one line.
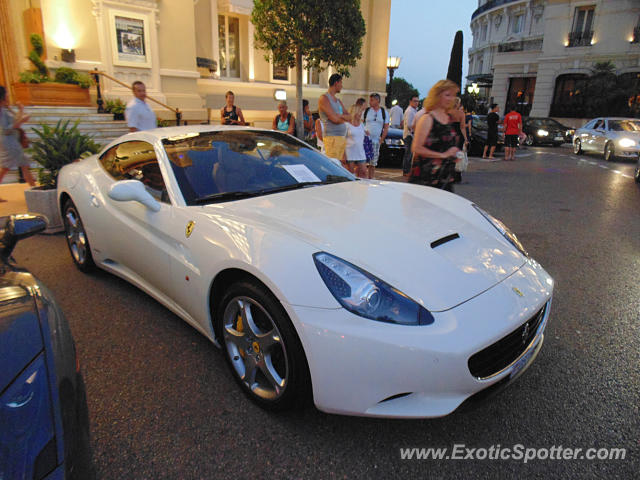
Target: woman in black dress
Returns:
[[458, 120], [435, 141]]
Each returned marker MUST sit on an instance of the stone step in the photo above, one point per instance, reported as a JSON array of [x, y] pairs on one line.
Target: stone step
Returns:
[[81, 126], [54, 117], [37, 110]]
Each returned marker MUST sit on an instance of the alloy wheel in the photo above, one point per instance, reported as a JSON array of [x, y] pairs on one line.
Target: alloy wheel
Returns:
[[76, 236], [577, 147], [255, 348], [608, 152], [529, 140]]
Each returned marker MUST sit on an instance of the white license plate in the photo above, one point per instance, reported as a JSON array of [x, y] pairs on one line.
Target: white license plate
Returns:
[[520, 364], [561, 139]]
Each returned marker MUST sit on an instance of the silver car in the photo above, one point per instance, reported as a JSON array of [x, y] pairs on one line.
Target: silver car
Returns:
[[613, 137]]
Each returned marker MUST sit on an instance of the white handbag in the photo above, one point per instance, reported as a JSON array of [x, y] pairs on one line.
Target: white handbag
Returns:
[[463, 162]]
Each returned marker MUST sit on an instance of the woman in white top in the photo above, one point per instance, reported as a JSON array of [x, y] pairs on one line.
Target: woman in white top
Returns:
[[354, 150]]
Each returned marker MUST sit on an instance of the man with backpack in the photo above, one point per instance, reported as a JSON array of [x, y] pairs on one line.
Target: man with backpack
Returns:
[[376, 124]]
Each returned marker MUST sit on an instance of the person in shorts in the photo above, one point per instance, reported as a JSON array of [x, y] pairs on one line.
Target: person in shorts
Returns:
[[492, 132], [333, 116], [512, 129], [376, 122]]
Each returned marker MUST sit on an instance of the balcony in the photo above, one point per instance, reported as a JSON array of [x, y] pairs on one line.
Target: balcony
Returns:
[[580, 39], [491, 4], [522, 45]]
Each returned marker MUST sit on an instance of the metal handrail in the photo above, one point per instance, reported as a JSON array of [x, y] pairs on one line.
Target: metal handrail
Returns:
[[96, 74]]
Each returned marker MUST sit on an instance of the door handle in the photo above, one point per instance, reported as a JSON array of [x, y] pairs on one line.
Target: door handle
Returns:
[[94, 200]]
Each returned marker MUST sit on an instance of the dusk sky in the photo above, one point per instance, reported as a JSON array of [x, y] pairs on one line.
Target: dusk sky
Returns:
[[422, 34]]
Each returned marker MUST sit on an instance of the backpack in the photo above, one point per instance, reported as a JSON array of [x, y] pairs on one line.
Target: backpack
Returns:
[[384, 114], [288, 122]]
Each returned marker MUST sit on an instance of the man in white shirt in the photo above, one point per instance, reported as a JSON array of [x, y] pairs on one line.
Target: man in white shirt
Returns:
[[407, 135], [395, 115], [138, 113], [376, 123]]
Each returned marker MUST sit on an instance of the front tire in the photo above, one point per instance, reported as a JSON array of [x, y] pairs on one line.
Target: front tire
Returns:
[[577, 146], [529, 141], [262, 348], [609, 152], [636, 174], [77, 239]]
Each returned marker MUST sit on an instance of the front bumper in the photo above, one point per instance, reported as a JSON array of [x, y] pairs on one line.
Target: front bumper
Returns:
[[363, 367]]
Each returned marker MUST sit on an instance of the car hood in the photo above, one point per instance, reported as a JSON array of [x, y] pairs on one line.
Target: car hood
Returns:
[[20, 337], [632, 135], [388, 229]]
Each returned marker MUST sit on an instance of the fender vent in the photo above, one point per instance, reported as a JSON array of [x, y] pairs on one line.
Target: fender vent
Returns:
[[443, 240]]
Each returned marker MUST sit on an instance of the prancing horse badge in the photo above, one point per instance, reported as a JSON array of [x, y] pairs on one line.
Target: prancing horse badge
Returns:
[[189, 228]]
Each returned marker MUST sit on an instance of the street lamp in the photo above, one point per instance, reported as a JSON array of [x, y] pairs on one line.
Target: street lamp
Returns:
[[392, 64], [473, 89]]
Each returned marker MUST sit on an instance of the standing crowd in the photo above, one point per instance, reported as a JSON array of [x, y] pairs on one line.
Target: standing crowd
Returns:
[[436, 137]]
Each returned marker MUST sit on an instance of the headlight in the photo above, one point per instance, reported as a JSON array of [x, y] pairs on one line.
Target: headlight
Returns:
[[542, 133], [503, 229], [367, 296], [394, 141], [626, 142]]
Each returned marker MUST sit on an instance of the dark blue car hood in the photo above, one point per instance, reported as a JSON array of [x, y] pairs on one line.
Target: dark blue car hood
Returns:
[[20, 336]]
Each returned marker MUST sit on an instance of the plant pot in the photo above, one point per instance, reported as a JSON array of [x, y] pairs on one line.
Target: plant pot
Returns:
[[52, 94], [45, 202], [118, 116]]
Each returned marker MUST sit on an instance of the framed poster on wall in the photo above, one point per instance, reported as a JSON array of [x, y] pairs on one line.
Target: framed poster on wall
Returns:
[[129, 39]]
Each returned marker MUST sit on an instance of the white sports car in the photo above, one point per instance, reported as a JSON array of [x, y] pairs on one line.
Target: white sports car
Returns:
[[283, 259]]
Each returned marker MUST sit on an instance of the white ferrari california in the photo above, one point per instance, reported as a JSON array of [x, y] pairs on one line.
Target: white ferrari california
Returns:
[[369, 297]]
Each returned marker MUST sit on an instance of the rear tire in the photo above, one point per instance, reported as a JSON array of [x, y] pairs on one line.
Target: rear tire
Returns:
[[577, 146], [262, 347], [77, 239]]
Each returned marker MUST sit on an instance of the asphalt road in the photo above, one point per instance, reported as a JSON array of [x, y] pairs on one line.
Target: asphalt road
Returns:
[[163, 405]]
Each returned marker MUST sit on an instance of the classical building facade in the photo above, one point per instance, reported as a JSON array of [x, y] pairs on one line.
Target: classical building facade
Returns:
[[188, 52], [529, 53]]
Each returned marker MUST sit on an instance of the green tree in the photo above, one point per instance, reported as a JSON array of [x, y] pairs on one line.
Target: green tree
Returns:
[[327, 33], [455, 61], [402, 91]]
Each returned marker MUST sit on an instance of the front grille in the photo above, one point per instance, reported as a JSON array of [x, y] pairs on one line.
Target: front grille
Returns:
[[505, 351]]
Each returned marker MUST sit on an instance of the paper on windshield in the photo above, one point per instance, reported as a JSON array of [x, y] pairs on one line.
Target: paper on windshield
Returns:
[[301, 173]]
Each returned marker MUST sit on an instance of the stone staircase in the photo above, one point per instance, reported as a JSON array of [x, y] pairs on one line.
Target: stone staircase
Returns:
[[100, 126]]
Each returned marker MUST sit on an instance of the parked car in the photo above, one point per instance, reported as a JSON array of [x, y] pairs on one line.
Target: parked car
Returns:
[[479, 130], [44, 424], [392, 149], [612, 137], [277, 254], [545, 131]]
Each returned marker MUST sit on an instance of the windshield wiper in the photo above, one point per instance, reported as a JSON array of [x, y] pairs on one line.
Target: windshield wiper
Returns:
[[225, 196]]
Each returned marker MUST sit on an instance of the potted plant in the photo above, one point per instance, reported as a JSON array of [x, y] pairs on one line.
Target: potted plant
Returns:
[[116, 107], [68, 88], [54, 148]]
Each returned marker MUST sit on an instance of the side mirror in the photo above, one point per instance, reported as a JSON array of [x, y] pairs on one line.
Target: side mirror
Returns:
[[19, 227], [133, 191]]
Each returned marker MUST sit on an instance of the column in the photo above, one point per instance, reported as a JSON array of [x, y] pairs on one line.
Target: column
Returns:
[[8, 48]]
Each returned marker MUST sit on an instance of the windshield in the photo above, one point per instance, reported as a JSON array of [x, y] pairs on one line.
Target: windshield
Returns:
[[228, 165], [624, 125], [480, 123], [544, 122]]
